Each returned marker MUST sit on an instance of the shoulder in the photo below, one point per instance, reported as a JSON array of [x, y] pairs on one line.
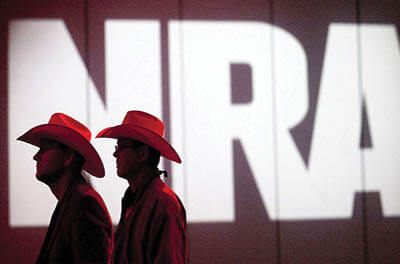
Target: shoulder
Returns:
[[165, 197], [84, 191], [88, 199]]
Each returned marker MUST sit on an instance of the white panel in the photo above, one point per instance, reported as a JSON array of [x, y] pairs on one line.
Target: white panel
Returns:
[[133, 82], [46, 75], [326, 189], [381, 86], [176, 107], [207, 122]]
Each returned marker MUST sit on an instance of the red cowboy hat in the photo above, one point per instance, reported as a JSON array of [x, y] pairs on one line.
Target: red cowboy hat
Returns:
[[143, 127], [72, 133]]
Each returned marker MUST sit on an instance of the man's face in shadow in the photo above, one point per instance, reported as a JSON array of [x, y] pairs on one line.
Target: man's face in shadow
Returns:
[[127, 158], [50, 161]]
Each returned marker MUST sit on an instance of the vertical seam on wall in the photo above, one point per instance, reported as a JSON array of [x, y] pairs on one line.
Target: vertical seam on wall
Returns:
[[5, 120], [362, 157], [86, 66], [87, 60], [182, 86], [165, 89], [275, 134]]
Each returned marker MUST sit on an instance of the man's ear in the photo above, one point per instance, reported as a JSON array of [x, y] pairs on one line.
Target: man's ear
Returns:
[[69, 157], [144, 152]]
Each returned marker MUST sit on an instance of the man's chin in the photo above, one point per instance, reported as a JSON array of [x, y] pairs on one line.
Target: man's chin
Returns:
[[122, 176], [48, 178]]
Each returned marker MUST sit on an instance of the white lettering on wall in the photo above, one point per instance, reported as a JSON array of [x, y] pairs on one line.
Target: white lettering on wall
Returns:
[[46, 75]]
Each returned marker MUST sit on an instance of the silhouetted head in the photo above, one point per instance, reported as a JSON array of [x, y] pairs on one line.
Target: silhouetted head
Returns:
[[132, 156], [64, 140], [53, 159], [140, 143]]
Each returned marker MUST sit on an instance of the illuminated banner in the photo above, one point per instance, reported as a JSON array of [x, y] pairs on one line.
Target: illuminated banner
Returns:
[[285, 114], [208, 112]]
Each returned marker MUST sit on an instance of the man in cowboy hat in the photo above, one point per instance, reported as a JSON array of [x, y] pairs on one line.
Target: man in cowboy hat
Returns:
[[152, 227], [80, 229]]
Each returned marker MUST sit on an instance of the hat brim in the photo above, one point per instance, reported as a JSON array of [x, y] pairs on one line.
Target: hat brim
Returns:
[[72, 139], [143, 135]]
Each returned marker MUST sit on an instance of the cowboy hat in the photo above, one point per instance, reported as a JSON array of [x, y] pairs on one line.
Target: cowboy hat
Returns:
[[143, 127], [70, 132]]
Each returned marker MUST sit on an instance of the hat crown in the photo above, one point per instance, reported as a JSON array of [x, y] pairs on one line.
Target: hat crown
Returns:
[[144, 120], [66, 121]]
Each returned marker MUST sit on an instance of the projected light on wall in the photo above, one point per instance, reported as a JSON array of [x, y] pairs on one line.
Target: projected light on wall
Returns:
[[361, 70]]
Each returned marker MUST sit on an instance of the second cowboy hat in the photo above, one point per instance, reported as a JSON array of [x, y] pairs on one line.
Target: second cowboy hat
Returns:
[[143, 127], [70, 132]]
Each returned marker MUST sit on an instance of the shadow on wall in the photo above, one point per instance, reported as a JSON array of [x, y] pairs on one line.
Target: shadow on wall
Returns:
[[254, 238], [367, 237]]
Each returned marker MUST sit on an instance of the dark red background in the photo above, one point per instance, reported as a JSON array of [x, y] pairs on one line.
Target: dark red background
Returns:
[[367, 237]]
